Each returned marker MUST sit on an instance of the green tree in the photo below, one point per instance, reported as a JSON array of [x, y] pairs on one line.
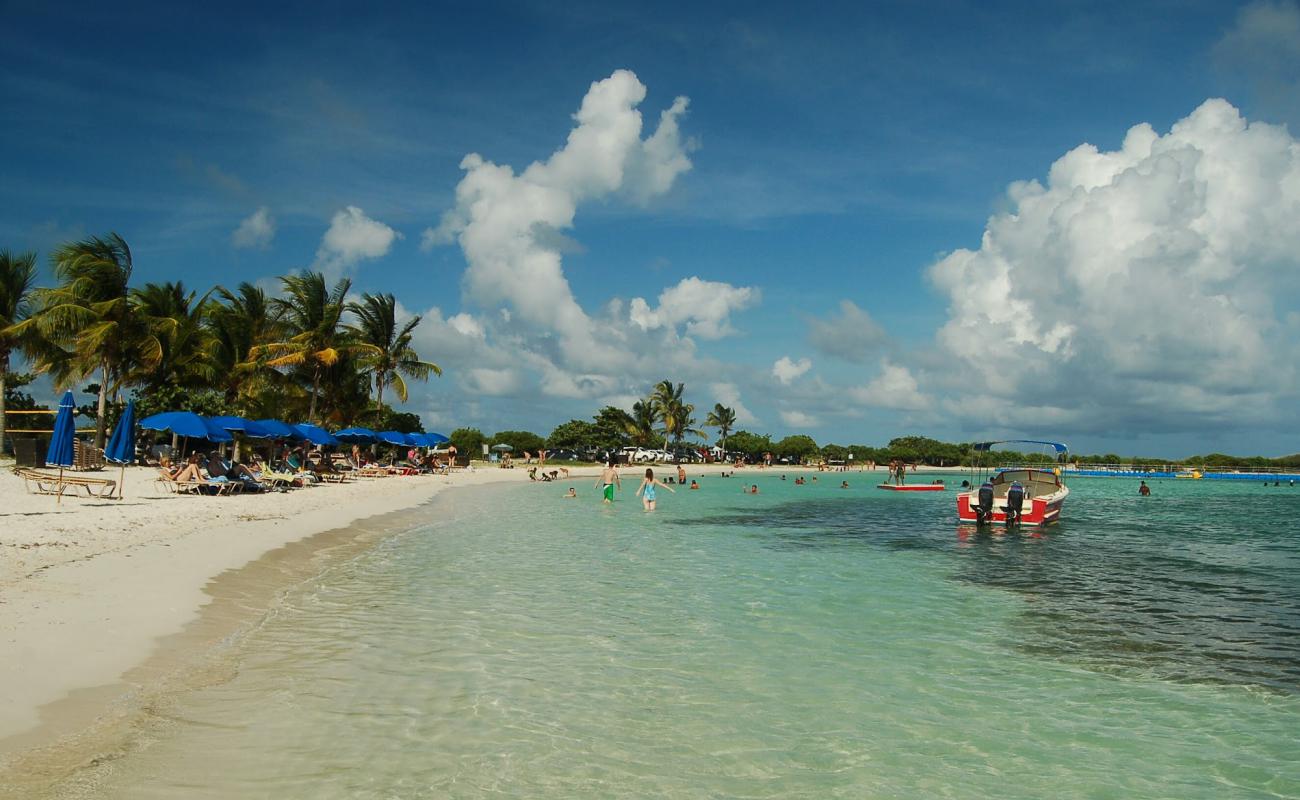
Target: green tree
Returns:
[[315, 340], [640, 425], [238, 321], [724, 419], [402, 421], [611, 428], [392, 357], [571, 435], [17, 283], [798, 447], [177, 346], [751, 444], [671, 409], [468, 442], [521, 441], [89, 319]]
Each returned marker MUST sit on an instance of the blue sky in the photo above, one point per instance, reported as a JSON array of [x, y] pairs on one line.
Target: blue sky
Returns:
[[829, 157]]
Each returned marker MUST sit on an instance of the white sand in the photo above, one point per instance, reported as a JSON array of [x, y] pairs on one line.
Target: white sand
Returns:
[[88, 587]]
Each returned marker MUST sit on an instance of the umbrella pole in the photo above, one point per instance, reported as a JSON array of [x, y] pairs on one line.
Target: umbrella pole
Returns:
[[121, 481], [59, 501]]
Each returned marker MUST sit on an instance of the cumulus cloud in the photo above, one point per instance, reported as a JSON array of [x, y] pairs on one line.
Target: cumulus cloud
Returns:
[[705, 307], [786, 370], [256, 230], [1139, 288], [851, 334], [794, 418], [353, 237], [729, 395], [895, 388]]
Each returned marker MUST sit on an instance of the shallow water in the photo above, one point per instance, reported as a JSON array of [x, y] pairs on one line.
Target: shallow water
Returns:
[[805, 642]]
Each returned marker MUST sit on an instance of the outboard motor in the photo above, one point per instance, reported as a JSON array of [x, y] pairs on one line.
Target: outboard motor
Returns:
[[984, 509], [1015, 500]]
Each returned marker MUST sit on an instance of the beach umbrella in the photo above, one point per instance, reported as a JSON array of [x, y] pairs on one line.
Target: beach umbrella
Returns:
[[187, 424], [502, 447], [251, 429], [60, 453], [314, 433], [394, 437], [121, 446], [356, 436], [436, 439], [278, 429]]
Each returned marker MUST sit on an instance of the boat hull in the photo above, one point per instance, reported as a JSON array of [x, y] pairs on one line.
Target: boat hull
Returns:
[[1043, 507]]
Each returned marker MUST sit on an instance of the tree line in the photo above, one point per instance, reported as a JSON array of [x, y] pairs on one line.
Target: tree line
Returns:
[[312, 353]]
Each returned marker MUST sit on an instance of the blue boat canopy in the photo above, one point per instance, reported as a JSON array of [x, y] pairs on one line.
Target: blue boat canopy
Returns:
[[1057, 446]]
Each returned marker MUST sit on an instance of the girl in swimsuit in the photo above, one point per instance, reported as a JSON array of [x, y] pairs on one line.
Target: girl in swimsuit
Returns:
[[647, 489]]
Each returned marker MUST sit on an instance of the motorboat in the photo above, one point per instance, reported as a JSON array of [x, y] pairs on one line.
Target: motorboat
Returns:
[[914, 487], [1043, 492]]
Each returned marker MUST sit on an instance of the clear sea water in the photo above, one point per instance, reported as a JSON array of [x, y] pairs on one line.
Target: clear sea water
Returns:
[[807, 642]]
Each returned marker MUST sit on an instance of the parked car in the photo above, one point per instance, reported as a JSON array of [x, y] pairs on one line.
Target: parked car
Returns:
[[562, 455]]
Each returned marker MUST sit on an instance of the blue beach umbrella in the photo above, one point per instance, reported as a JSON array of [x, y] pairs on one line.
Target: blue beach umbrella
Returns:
[[314, 433], [251, 429], [278, 429], [436, 439], [60, 453], [394, 437], [121, 446], [184, 423], [356, 436]]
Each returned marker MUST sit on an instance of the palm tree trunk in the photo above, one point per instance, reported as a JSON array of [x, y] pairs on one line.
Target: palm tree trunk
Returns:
[[379, 394], [103, 405], [4, 372], [315, 387]]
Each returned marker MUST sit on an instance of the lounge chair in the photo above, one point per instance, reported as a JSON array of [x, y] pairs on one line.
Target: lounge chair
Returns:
[[38, 482]]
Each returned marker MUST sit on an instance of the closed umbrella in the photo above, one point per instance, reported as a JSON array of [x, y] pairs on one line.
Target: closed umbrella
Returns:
[[121, 446], [61, 453]]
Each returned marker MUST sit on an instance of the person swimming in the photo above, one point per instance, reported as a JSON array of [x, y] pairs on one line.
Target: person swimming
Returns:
[[572, 493], [694, 484]]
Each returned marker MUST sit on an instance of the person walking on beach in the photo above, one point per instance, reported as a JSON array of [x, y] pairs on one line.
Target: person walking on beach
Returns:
[[647, 489], [609, 478]]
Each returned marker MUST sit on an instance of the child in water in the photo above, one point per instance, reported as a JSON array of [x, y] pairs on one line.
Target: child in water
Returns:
[[647, 489], [571, 493]]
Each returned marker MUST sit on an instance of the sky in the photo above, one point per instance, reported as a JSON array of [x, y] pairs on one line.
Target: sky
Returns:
[[1072, 221]]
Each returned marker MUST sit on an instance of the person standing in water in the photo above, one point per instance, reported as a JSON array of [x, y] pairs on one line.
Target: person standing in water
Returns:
[[681, 474], [647, 489], [609, 477], [1143, 489]]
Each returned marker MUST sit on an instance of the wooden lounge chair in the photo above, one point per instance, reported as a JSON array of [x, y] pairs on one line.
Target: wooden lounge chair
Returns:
[[38, 482]]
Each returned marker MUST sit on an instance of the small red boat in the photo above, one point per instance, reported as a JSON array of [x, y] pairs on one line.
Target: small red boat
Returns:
[[916, 487], [1041, 492]]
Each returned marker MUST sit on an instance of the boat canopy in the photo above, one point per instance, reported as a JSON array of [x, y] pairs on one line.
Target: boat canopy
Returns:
[[1057, 446]]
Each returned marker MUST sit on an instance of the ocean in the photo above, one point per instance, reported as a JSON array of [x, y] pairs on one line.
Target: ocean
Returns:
[[805, 642]]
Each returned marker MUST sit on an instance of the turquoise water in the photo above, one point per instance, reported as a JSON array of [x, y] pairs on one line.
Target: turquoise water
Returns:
[[805, 642]]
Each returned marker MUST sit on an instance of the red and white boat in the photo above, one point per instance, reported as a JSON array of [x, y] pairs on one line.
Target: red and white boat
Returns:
[[1044, 492]]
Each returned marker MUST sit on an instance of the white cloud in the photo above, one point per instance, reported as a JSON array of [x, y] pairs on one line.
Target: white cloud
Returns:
[[483, 380], [851, 335], [798, 419], [506, 224], [1263, 50], [895, 387], [257, 230], [729, 395], [1140, 288], [704, 306], [786, 371], [353, 237]]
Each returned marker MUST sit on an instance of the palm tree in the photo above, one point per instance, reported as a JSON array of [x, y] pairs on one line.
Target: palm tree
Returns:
[[724, 419], [311, 314], [90, 319], [238, 321], [673, 411], [17, 279], [393, 355], [177, 347], [640, 425]]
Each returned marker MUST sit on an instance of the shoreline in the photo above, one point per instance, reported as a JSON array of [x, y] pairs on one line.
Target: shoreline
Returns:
[[95, 590]]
